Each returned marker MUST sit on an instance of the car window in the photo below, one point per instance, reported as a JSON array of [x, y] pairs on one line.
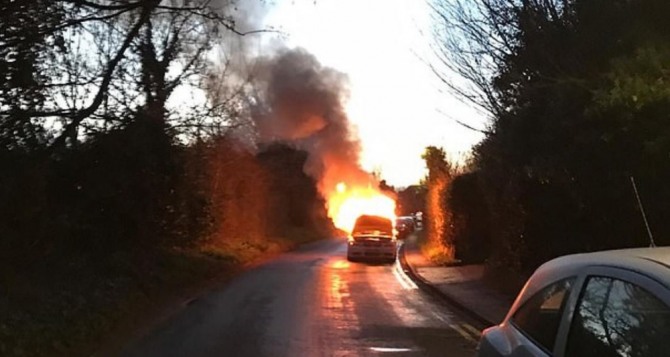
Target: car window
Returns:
[[540, 316], [617, 318]]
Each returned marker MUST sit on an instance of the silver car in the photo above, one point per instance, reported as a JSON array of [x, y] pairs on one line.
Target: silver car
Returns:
[[612, 303]]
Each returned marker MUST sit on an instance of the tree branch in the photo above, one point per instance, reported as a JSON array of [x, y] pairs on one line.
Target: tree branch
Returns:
[[77, 118]]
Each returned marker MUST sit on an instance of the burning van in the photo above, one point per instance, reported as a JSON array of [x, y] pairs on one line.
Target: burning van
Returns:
[[373, 238]]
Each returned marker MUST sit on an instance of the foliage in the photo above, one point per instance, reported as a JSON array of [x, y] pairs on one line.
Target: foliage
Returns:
[[120, 210], [470, 217], [580, 105], [296, 202], [112, 199], [24, 44], [438, 219], [411, 200]]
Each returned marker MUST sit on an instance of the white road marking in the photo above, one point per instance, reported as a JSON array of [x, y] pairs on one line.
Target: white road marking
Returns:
[[463, 333], [402, 278], [473, 330], [391, 349]]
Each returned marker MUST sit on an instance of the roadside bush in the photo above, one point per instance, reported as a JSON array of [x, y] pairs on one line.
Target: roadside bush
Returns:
[[578, 107], [438, 220], [129, 215], [470, 218]]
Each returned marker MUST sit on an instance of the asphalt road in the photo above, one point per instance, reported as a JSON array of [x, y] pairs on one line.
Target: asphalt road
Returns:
[[313, 302]]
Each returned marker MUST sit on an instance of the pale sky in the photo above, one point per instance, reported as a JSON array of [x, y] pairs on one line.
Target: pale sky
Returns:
[[395, 98]]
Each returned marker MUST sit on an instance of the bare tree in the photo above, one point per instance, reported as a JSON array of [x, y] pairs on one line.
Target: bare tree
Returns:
[[121, 56], [472, 39]]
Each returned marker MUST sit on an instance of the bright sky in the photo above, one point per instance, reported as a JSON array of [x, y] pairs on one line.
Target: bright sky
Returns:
[[396, 101]]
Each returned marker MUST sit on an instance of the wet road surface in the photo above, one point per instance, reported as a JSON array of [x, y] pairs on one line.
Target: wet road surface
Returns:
[[313, 302]]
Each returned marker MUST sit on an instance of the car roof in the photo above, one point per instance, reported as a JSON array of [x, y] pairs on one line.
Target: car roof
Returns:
[[652, 262]]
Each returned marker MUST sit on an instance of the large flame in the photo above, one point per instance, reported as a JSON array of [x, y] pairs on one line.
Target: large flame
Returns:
[[346, 203]]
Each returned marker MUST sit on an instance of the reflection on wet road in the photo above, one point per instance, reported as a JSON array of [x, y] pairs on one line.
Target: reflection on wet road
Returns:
[[313, 302]]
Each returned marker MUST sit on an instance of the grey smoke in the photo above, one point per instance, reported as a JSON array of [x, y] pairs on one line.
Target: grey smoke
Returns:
[[302, 103], [292, 97]]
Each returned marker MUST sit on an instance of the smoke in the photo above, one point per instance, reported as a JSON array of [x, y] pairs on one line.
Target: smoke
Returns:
[[301, 102], [290, 97]]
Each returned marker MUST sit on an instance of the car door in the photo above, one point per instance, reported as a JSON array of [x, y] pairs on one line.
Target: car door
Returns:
[[618, 313], [533, 327]]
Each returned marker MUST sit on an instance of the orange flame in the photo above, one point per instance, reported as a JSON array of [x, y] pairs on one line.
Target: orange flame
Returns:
[[346, 204]]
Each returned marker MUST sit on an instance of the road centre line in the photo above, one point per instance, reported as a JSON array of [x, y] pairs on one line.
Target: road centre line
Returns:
[[463, 333], [473, 330]]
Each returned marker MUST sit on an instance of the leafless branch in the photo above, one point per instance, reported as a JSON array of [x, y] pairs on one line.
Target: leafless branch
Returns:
[[107, 77]]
